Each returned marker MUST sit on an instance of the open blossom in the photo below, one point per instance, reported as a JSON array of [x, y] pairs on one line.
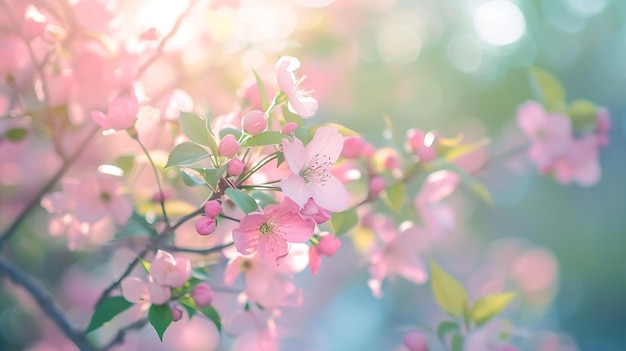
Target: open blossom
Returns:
[[121, 113], [268, 233], [170, 271], [136, 290], [550, 133], [299, 101], [437, 215], [580, 164], [310, 166]]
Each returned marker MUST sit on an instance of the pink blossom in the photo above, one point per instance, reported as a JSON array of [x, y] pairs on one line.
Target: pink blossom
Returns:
[[228, 146], [170, 271], [438, 216], [254, 122], [202, 294], [268, 233], [398, 254], [205, 225], [235, 167], [310, 167], [300, 102], [377, 185], [318, 214], [136, 290], [212, 208], [550, 133], [603, 126], [421, 144], [289, 127], [121, 114], [415, 341], [580, 164], [327, 246], [352, 147]]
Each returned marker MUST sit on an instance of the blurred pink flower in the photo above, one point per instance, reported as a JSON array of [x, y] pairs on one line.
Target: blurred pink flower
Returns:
[[202, 294], [312, 210], [580, 164], [121, 114], [327, 246], [254, 122], [93, 199], [437, 215], [170, 271], [268, 233], [415, 341], [136, 290], [310, 167], [489, 337], [299, 101], [550, 133], [422, 144]]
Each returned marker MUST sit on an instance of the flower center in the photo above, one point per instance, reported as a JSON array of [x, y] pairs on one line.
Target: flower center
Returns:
[[268, 228], [105, 197], [317, 170]]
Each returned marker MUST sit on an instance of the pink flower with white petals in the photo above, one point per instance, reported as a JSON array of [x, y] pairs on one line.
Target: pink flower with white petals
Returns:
[[136, 290], [268, 233], [170, 271], [550, 133], [121, 114], [300, 102], [580, 164], [311, 166], [437, 215]]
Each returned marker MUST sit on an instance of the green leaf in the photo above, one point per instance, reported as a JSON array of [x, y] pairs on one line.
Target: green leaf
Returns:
[[212, 142], [290, 116], [185, 154], [262, 198], [160, 317], [16, 134], [445, 328], [342, 222], [464, 149], [265, 138], [394, 196], [212, 175], [194, 128], [212, 314], [125, 163], [146, 265], [304, 134], [190, 305], [548, 89], [448, 292], [242, 200], [265, 103], [191, 179], [106, 310], [490, 306], [583, 113], [225, 131], [457, 343]]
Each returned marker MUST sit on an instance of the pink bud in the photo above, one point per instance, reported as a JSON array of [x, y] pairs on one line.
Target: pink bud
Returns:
[[288, 128], [121, 114], [603, 122], [212, 208], [328, 245], [377, 185], [352, 147], [229, 146], [202, 294], [254, 122], [149, 35], [235, 167], [177, 313], [426, 154], [415, 341], [205, 225], [368, 150], [169, 271], [311, 209]]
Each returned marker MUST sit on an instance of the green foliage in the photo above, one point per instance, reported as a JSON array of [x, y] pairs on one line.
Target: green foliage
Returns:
[[107, 310], [449, 293], [394, 196], [304, 134], [457, 343], [342, 222], [490, 306], [265, 138], [446, 328], [265, 103], [548, 89], [583, 113], [212, 175], [194, 128], [126, 163], [160, 317], [185, 154], [146, 265], [16, 134], [242, 200], [207, 311], [191, 179]]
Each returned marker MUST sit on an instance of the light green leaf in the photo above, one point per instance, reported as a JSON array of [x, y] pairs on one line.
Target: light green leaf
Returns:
[[242, 200], [212, 314], [265, 138], [342, 222], [548, 89], [457, 343], [304, 134], [290, 116], [146, 265], [262, 198], [445, 328], [448, 292], [125, 163], [194, 128], [490, 306], [212, 142], [394, 196], [265, 103], [160, 317], [16, 134], [464, 149], [583, 113], [106, 310], [212, 175], [225, 131], [185, 154], [191, 179]]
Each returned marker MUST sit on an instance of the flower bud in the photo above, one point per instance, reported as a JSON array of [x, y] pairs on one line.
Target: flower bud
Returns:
[[377, 185], [235, 167], [415, 341], [121, 114], [328, 245], [229, 146], [254, 122], [212, 208], [352, 147], [202, 294], [311, 209], [177, 313], [205, 225], [169, 270], [603, 121], [288, 128]]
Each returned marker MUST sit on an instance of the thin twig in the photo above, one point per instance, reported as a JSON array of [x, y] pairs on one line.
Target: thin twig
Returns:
[[45, 302], [198, 251], [6, 235], [158, 180]]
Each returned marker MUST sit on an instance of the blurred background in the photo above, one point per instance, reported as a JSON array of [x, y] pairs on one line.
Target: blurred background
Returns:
[[456, 66]]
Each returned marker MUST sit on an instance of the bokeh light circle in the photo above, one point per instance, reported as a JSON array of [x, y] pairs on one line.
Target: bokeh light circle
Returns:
[[499, 22]]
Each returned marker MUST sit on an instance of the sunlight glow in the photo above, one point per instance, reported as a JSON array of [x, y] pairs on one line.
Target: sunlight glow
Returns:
[[499, 22]]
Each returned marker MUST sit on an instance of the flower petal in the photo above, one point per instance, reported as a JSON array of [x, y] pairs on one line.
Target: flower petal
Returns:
[[295, 155], [295, 188], [331, 194], [326, 141], [246, 237]]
